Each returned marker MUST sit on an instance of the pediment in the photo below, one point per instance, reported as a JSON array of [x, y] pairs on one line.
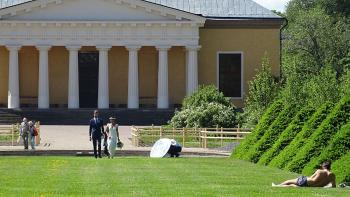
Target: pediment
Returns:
[[94, 10]]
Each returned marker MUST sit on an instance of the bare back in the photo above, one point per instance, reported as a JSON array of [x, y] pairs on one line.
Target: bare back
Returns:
[[321, 178]]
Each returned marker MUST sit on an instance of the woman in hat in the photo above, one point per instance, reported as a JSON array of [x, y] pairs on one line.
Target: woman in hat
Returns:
[[113, 136]]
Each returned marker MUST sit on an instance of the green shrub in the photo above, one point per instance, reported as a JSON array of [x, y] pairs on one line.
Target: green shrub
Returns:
[[341, 168], [287, 154], [263, 90], [270, 136], [205, 95], [207, 115], [345, 83], [319, 139], [269, 116], [206, 107], [339, 145], [287, 135]]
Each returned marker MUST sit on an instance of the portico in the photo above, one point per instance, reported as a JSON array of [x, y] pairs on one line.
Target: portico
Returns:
[[166, 28]]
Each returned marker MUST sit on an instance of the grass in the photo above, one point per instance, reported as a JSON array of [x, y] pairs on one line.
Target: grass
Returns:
[[85, 176]]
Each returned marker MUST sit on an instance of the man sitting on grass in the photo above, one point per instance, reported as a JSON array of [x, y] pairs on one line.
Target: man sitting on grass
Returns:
[[321, 178]]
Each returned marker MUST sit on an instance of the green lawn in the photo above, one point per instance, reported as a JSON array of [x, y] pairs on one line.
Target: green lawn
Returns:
[[85, 176]]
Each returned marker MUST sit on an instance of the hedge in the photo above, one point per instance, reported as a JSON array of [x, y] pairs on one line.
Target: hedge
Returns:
[[266, 120], [320, 138], [287, 154], [339, 145], [287, 135], [341, 168], [270, 136]]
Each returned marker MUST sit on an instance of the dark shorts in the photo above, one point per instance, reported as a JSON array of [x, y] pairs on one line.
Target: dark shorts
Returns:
[[302, 181]]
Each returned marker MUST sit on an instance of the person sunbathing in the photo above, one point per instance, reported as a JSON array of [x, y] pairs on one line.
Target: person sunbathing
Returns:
[[321, 178]]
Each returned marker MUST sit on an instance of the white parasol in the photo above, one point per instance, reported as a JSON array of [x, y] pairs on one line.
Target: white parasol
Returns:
[[160, 148]]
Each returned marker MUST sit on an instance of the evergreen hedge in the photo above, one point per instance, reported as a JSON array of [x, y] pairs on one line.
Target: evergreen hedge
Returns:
[[287, 154], [270, 136], [287, 135], [341, 168], [264, 123], [320, 138], [339, 145]]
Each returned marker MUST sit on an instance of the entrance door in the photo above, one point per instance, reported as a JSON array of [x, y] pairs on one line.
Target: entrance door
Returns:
[[88, 79]]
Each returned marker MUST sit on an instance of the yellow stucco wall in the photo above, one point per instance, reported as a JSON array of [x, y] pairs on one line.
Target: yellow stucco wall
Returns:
[[177, 75], [4, 61], [58, 75], [28, 74], [118, 75], [252, 42]]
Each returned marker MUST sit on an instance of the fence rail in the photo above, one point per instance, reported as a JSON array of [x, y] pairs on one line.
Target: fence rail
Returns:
[[189, 137]]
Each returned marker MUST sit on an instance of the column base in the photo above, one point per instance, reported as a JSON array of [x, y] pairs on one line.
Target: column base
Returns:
[[163, 102], [133, 103], [43, 102], [13, 102]]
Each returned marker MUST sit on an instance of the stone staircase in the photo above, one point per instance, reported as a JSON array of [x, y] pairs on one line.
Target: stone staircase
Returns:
[[82, 116]]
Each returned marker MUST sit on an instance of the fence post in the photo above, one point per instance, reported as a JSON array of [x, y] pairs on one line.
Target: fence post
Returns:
[[222, 136], [183, 137], [205, 138], [161, 132], [12, 133]]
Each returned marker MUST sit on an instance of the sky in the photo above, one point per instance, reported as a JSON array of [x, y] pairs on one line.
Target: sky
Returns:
[[278, 5]]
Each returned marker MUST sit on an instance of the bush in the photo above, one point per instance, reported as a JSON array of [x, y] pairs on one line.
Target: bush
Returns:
[[341, 168], [287, 135], [207, 115], [205, 95], [206, 107], [319, 139], [263, 90], [301, 138], [270, 136], [345, 84], [269, 116], [339, 145]]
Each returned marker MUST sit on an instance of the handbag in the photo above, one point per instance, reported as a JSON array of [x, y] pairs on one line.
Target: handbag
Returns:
[[35, 132], [120, 144]]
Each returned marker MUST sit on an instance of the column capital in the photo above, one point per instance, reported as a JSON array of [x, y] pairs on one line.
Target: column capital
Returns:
[[13, 47], [103, 47], [193, 47], [43, 47], [133, 47], [163, 47], [73, 47]]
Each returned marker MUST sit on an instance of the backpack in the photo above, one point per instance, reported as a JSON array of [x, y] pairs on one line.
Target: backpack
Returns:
[[35, 132]]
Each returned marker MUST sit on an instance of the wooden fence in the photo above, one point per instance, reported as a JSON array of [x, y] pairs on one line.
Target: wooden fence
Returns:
[[10, 134], [188, 137]]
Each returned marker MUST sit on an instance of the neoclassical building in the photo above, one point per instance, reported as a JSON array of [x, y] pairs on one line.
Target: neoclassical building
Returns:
[[131, 53]]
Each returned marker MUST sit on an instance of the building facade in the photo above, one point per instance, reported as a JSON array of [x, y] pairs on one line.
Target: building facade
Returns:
[[131, 53]]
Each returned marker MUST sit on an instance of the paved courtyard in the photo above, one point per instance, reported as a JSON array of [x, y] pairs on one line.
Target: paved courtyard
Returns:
[[77, 138]]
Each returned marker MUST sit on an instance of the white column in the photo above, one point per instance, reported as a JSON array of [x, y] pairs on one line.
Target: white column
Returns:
[[163, 84], [133, 77], [103, 83], [73, 81], [43, 98], [192, 69], [13, 91]]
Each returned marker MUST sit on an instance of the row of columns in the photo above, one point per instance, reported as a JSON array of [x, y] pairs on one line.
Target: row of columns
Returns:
[[103, 82]]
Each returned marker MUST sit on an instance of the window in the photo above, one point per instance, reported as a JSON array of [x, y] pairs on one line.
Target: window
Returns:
[[230, 74]]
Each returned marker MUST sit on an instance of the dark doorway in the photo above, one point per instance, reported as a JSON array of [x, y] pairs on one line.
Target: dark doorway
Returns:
[[88, 79]]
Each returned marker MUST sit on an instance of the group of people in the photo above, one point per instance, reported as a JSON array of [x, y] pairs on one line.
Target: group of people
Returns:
[[27, 132], [110, 136]]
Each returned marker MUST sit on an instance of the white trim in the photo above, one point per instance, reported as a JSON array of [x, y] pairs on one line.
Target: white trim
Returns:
[[242, 71]]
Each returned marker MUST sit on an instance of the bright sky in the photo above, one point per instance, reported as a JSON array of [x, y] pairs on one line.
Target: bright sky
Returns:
[[278, 5]]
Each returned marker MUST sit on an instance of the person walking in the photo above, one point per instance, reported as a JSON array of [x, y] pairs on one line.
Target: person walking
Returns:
[[96, 131], [24, 132], [113, 136], [32, 134]]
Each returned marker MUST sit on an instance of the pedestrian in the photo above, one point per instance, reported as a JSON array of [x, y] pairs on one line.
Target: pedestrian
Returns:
[[24, 132], [32, 134], [113, 136], [96, 131]]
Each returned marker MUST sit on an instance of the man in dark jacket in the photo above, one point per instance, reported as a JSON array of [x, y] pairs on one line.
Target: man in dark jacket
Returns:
[[96, 131]]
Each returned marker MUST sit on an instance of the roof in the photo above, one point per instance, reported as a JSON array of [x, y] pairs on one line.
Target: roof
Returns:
[[206, 8]]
